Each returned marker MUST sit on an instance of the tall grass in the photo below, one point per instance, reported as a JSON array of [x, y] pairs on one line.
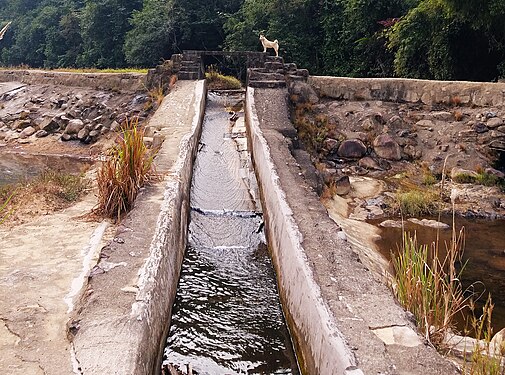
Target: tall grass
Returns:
[[429, 285], [216, 80], [128, 167], [6, 196], [417, 202]]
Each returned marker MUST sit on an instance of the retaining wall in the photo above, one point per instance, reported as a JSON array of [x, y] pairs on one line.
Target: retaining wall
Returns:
[[99, 81], [125, 316], [481, 94]]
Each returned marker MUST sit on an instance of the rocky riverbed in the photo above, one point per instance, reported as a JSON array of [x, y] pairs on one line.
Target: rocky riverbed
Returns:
[[405, 147]]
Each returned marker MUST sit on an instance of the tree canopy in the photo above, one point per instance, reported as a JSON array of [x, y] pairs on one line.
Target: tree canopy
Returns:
[[434, 39]]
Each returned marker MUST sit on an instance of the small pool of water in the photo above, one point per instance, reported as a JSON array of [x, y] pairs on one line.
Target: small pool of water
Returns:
[[484, 251], [16, 167]]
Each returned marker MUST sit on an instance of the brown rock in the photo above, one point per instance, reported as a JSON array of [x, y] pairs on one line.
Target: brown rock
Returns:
[[41, 133], [329, 144], [27, 132], [74, 126], [352, 149], [386, 147], [494, 122], [369, 163], [343, 185], [50, 125]]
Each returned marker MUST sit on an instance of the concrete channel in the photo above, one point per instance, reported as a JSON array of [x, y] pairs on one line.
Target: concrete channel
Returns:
[[342, 321]]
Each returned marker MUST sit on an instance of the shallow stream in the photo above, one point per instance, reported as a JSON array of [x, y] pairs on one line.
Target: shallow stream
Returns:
[[227, 318]]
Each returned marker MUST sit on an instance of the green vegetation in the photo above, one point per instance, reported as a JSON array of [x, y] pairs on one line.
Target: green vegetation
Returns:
[[128, 168], [368, 38], [216, 80], [66, 186], [428, 285], [414, 203]]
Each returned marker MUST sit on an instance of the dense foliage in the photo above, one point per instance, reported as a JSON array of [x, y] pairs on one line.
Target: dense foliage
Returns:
[[437, 39]]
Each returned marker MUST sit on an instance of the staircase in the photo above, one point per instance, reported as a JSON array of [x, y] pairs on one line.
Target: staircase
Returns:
[[191, 66], [275, 74]]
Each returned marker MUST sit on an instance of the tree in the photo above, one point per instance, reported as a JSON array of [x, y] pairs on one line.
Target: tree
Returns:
[[153, 33]]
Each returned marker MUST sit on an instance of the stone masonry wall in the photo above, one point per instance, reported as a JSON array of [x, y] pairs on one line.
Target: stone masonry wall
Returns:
[[480, 94], [99, 81]]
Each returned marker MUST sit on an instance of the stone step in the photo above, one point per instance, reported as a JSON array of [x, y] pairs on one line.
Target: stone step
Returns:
[[260, 76], [290, 67], [274, 66], [274, 59], [293, 77], [267, 84]]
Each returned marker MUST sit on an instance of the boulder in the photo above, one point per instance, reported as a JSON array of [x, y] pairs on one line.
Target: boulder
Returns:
[[442, 116], [21, 124], [41, 133], [330, 145], [342, 185], [66, 137], [425, 123], [494, 122], [386, 147], [27, 132], [83, 134], [352, 149], [304, 91], [369, 163], [74, 126], [463, 175], [479, 128]]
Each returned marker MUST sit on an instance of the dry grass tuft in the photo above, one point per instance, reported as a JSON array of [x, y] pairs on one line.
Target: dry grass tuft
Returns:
[[128, 168], [218, 81]]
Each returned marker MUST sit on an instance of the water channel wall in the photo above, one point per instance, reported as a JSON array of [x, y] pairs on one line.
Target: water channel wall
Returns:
[[123, 82], [342, 320], [480, 94], [124, 317]]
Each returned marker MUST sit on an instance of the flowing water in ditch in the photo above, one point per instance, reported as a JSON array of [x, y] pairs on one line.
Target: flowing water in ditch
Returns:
[[227, 318]]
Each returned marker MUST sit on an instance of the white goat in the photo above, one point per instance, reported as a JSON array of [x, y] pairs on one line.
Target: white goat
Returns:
[[268, 44]]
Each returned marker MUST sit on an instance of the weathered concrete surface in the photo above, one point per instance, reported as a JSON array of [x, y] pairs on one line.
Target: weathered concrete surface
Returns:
[[125, 314], [38, 284], [98, 81], [332, 302], [480, 94]]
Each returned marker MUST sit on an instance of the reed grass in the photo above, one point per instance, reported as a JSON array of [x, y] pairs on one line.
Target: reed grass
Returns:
[[128, 168]]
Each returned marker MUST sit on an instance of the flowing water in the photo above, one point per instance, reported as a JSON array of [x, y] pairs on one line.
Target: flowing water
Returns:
[[227, 318], [484, 254]]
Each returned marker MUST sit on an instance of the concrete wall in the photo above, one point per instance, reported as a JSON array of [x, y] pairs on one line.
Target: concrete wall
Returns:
[[320, 347], [125, 315], [480, 94], [98, 81]]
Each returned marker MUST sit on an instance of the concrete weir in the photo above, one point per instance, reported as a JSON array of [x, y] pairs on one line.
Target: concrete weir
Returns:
[[342, 320]]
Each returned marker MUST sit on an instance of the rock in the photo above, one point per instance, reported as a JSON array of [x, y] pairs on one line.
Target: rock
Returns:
[[21, 124], [425, 123], [114, 126], [329, 144], [66, 137], [148, 141], [368, 125], [304, 91], [396, 121], [94, 133], [391, 224], [49, 125], [41, 133], [342, 185], [352, 149], [442, 116], [74, 126], [495, 172], [341, 235], [494, 122], [501, 129], [412, 152], [479, 128], [27, 132], [83, 134], [430, 223], [496, 134], [386, 147], [157, 141], [369, 163]]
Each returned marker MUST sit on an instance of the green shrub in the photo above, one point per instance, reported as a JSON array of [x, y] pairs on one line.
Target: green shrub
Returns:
[[218, 81], [415, 203]]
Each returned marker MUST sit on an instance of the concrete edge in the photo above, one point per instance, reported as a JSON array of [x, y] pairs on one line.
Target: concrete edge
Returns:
[[321, 348], [428, 92], [168, 246]]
